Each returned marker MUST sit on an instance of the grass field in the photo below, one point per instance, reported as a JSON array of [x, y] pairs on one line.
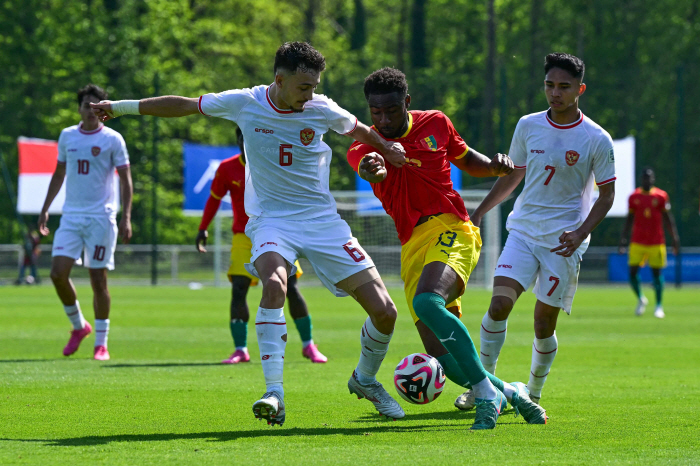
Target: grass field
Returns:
[[622, 390]]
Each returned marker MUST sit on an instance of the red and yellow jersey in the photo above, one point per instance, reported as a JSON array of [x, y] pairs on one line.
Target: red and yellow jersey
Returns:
[[230, 178], [648, 208], [423, 186]]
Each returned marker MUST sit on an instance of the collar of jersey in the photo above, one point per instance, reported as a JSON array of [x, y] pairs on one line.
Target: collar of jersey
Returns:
[[569, 126], [410, 126], [274, 107], [94, 131]]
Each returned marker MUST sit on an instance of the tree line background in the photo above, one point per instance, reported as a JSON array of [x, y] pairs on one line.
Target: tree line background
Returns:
[[481, 62]]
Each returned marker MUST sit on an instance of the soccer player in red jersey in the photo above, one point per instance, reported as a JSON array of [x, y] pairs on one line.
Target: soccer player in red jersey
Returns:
[[649, 209], [440, 246], [230, 178]]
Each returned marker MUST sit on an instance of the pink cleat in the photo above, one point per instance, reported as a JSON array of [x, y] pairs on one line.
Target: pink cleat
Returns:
[[76, 336], [237, 356], [312, 352], [101, 353]]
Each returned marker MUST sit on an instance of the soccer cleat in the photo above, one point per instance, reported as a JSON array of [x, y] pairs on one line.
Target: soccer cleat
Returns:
[[466, 400], [101, 353], [374, 392], [641, 306], [237, 356], [523, 405], [271, 408], [76, 336], [312, 352], [487, 412], [659, 312]]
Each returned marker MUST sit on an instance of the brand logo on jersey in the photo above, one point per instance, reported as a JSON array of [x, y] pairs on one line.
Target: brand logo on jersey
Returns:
[[536, 151], [264, 131], [430, 143], [96, 151], [306, 135], [572, 157], [654, 202]]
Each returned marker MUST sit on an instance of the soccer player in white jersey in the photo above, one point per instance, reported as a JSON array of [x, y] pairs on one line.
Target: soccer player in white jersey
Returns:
[[292, 212], [560, 153], [88, 153]]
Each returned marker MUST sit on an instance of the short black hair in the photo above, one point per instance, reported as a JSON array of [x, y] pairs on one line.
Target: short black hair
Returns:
[[648, 171], [567, 62], [293, 56], [386, 81], [93, 90]]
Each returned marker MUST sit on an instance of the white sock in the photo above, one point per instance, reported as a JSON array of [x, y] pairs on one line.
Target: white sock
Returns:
[[271, 328], [508, 391], [543, 353], [101, 332], [493, 335], [374, 345], [242, 348], [485, 390], [307, 343], [75, 315]]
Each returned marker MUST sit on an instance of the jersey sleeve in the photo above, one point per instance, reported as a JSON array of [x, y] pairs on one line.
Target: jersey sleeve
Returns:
[[456, 147], [227, 104], [219, 186], [120, 156], [357, 152], [604, 162], [61, 148], [339, 120], [518, 151]]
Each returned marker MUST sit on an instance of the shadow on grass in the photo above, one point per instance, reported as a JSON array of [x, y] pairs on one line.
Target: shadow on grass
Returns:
[[3, 361], [163, 364]]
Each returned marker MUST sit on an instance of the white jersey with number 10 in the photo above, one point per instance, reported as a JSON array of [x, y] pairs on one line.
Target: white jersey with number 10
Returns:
[[287, 160], [562, 162]]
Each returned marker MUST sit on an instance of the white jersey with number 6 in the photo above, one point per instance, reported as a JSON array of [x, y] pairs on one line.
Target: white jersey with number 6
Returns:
[[90, 158], [287, 160], [562, 162]]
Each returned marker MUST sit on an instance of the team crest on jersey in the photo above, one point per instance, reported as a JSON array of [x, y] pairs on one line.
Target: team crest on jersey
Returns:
[[430, 143], [96, 151], [571, 157], [306, 135]]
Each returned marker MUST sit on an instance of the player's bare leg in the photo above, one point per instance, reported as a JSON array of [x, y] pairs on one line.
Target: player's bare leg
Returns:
[[101, 301], [369, 291], [240, 315], [302, 321], [544, 348], [636, 285], [61, 267], [271, 329]]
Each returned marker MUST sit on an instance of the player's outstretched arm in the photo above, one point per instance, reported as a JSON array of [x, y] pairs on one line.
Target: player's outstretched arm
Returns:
[[168, 106], [503, 187], [127, 189], [372, 168], [480, 166], [393, 152], [671, 227], [54, 187], [569, 241]]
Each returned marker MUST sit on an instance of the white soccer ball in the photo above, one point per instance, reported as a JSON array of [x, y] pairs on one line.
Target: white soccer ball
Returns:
[[419, 378]]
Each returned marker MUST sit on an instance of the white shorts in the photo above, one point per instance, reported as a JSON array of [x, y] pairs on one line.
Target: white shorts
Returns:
[[97, 235], [326, 242], [555, 277]]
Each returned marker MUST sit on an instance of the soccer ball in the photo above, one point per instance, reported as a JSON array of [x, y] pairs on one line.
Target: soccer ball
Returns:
[[419, 378]]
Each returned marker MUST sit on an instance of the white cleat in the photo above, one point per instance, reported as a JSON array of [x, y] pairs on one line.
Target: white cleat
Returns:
[[659, 312], [641, 306], [383, 402], [271, 408], [466, 400]]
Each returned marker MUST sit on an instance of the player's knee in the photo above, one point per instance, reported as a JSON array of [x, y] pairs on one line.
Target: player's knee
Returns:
[[275, 287], [544, 328], [500, 307]]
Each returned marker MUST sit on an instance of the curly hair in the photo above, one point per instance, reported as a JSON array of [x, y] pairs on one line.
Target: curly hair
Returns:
[[567, 62], [386, 81], [93, 90], [294, 56]]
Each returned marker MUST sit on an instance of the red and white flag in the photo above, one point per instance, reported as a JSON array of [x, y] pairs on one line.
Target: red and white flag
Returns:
[[37, 162]]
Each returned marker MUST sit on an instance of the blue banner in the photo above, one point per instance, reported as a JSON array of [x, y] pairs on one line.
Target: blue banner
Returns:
[[618, 270], [200, 164]]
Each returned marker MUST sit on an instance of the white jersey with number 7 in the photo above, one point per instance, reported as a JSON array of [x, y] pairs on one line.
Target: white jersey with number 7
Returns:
[[562, 163], [288, 164]]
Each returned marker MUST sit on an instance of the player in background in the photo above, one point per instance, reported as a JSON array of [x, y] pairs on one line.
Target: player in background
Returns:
[[230, 178], [649, 209], [440, 246], [560, 153], [292, 212], [88, 153]]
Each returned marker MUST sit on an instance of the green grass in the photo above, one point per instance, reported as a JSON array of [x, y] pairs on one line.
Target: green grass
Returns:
[[622, 390]]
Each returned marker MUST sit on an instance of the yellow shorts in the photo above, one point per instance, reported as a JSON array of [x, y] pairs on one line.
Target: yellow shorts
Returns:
[[241, 252], [447, 239], [639, 254]]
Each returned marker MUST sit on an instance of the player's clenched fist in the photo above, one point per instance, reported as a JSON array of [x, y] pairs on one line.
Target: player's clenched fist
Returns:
[[372, 168], [396, 155], [103, 110], [501, 165]]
